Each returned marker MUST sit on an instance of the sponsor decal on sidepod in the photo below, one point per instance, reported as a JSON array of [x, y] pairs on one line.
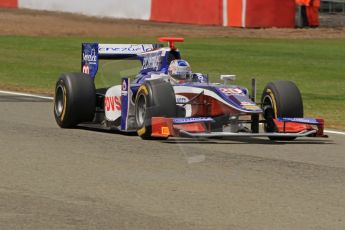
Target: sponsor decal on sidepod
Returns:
[[112, 103]]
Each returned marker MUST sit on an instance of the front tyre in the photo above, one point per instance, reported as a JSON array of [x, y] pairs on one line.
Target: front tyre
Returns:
[[74, 100], [280, 99], [155, 98]]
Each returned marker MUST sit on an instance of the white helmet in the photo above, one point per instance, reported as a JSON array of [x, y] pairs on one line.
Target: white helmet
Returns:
[[179, 71]]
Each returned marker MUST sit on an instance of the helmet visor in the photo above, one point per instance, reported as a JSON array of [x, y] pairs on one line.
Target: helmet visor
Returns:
[[182, 75]]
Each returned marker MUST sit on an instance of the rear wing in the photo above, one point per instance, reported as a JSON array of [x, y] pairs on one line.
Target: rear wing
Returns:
[[93, 52]]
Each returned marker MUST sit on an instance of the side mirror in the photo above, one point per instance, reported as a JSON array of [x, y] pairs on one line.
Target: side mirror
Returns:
[[227, 78]]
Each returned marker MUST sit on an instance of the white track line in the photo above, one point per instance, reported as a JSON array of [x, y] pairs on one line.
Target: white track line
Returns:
[[334, 132], [51, 98], [26, 95]]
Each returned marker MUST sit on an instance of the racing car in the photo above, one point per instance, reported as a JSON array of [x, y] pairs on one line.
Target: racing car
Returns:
[[155, 108]]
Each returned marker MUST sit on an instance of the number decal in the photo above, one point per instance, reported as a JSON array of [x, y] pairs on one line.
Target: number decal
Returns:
[[231, 90]]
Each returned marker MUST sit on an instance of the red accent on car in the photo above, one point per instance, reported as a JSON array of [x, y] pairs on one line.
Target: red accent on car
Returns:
[[320, 127], [207, 106], [291, 127], [171, 41], [198, 127], [164, 127]]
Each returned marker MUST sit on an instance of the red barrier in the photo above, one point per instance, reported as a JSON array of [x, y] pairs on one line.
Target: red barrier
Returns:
[[235, 13], [261, 13], [9, 3], [206, 12], [270, 13]]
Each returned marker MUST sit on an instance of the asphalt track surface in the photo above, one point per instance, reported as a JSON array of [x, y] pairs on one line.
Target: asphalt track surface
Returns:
[[54, 178]]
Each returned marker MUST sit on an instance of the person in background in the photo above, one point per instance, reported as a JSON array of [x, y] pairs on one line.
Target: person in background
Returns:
[[308, 13]]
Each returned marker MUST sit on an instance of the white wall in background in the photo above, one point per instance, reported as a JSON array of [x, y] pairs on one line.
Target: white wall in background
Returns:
[[134, 9]]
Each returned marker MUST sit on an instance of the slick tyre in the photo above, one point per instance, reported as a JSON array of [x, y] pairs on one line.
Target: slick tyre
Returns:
[[280, 99], [74, 100], [155, 98]]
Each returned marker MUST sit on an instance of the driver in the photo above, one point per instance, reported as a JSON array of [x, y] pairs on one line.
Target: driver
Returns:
[[179, 72]]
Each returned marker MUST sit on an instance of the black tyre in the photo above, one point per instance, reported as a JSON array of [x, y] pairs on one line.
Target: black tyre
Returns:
[[154, 99], [75, 99], [280, 99]]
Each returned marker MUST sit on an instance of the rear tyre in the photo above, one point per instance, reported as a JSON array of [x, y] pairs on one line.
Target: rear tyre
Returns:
[[75, 99], [155, 98], [280, 99]]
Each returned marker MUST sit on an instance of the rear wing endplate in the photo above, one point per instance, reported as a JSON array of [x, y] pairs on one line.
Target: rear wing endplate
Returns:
[[93, 52]]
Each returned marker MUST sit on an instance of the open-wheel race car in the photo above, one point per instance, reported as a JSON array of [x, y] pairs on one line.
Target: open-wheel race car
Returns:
[[166, 99]]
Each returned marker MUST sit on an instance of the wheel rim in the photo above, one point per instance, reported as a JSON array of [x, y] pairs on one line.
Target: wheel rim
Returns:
[[267, 106], [59, 100], [141, 110]]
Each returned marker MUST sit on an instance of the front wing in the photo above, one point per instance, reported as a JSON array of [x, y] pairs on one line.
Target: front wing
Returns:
[[201, 127]]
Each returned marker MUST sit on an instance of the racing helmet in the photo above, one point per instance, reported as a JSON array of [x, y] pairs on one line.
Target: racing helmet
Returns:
[[179, 71]]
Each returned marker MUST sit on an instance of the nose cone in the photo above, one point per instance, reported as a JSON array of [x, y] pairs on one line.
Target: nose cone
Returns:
[[237, 98]]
